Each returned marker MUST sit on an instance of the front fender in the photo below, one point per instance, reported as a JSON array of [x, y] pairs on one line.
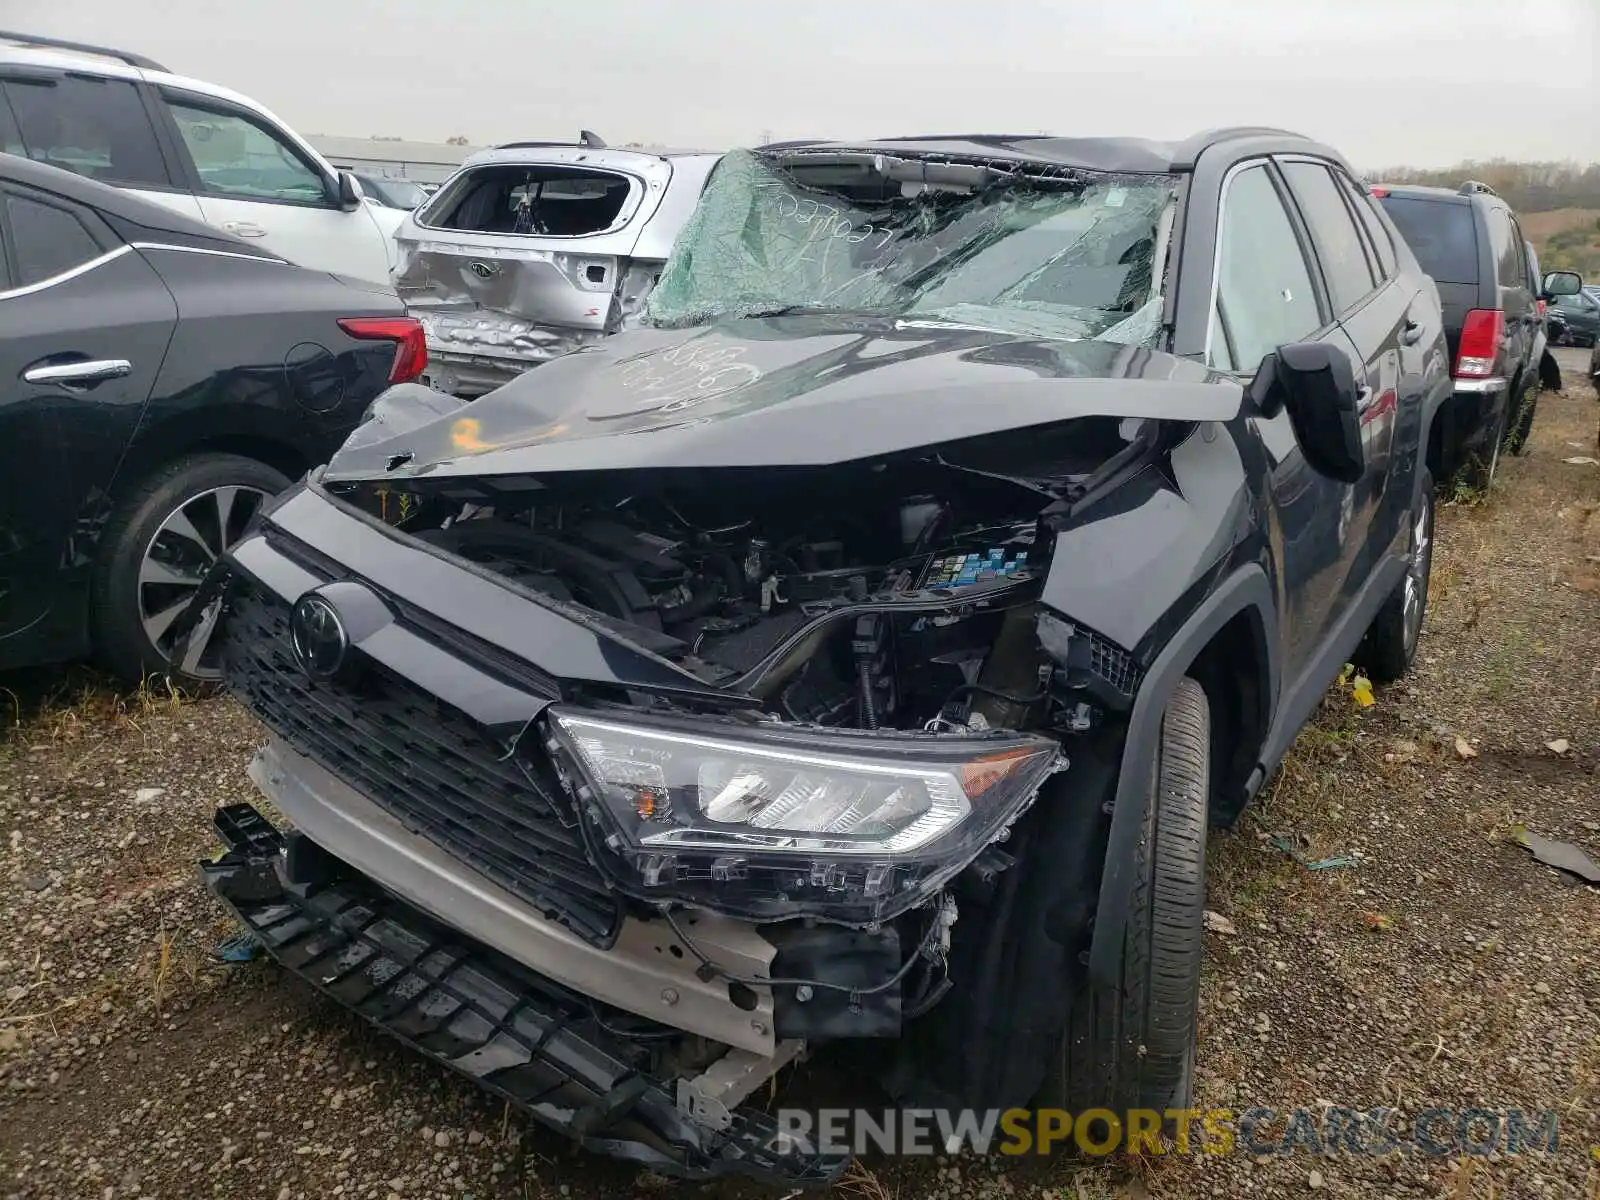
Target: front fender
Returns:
[[1124, 566], [1244, 589]]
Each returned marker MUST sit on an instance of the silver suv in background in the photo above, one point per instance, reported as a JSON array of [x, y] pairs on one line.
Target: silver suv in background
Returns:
[[534, 249]]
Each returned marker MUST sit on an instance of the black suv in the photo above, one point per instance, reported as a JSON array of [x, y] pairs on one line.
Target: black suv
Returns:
[[861, 651], [1469, 241]]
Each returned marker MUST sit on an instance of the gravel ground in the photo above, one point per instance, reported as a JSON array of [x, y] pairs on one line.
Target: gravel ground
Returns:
[[1443, 966]]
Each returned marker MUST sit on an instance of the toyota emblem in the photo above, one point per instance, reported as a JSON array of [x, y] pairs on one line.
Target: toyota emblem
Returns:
[[318, 637]]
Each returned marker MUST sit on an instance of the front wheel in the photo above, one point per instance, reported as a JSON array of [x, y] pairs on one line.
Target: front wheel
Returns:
[[156, 550], [1132, 1046], [1391, 643]]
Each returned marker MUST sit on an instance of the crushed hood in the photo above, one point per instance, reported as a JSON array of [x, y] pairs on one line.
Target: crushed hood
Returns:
[[787, 391]]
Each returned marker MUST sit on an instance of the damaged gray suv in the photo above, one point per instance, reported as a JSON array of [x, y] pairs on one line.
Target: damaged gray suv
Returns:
[[858, 653]]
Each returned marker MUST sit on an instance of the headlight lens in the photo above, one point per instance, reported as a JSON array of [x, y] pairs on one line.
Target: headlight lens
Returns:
[[675, 788]]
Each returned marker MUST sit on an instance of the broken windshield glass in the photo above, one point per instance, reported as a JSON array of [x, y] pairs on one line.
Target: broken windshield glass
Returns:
[[1041, 254]]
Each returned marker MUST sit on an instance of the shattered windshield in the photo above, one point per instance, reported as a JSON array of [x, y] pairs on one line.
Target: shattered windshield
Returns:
[[1038, 252]]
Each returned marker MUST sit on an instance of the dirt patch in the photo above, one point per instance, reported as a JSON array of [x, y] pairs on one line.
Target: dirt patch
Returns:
[[1439, 964]]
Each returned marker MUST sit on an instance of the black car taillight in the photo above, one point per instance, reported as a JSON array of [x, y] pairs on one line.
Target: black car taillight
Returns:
[[411, 346]]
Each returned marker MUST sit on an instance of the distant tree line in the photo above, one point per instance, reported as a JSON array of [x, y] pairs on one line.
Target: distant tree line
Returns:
[[1526, 186]]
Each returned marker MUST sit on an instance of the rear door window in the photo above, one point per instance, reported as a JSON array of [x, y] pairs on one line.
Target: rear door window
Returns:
[[1510, 262], [50, 241], [1441, 233], [95, 127], [1338, 243], [1377, 234]]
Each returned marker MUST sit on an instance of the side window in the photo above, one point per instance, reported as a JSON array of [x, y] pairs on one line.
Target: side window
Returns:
[[49, 240], [1524, 273], [96, 127], [1377, 234], [1333, 232], [1507, 250], [238, 157], [10, 135], [1264, 286]]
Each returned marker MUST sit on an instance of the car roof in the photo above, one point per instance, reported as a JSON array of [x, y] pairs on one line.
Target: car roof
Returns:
[[114, 202], [20, 49], [575, 154], [1441, 195], [1119, 155]]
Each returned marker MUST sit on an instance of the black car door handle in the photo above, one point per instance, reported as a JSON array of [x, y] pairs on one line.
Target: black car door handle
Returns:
[[82, 373], [1412, 333]]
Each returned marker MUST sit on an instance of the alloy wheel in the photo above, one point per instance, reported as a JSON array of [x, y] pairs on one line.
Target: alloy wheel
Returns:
[[184, 548]]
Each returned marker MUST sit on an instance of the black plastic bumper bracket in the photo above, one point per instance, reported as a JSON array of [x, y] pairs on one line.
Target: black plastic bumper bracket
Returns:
[[517, 1034]]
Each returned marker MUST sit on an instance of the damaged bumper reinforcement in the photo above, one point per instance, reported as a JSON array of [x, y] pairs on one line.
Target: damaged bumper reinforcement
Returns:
[[514, 1032]]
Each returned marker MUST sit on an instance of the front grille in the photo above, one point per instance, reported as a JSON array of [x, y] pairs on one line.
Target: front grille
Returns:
[[422, 761]]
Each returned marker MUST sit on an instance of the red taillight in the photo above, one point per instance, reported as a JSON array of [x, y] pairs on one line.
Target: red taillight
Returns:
[[1380, 193], [411, 346], [1542, 307], [1480, 343]]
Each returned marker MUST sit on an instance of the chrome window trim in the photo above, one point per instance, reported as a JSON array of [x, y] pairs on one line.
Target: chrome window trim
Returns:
[[262, 258], [82, 268]]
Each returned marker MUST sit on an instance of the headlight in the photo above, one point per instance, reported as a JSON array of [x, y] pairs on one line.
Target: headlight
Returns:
[[836, 812]]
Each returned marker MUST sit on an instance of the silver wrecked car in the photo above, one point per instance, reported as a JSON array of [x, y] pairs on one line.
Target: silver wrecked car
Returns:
[[534, 249]]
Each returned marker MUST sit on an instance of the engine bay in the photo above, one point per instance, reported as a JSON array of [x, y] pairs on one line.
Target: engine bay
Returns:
[[832, 617], [894, 595]]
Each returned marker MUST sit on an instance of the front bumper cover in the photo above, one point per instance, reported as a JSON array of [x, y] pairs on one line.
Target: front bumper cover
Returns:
[[464, 1005]]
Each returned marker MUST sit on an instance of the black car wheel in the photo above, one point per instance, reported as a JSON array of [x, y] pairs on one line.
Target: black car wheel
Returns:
[[1483, 463], [157, 548], [1391, 645], [1133, 1046], [1520, 426]]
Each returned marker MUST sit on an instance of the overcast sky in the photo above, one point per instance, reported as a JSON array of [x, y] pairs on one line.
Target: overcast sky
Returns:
[[1388, 82]]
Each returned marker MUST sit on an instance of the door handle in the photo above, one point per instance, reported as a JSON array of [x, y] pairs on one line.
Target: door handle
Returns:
[[1412, 333], [84, 373], [244, 228]]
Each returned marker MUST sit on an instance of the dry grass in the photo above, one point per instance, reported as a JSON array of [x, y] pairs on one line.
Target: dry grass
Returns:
[[1539, 226]]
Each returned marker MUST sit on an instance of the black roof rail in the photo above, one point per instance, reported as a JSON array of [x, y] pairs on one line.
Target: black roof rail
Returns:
[[1473, 187], [49, 43], [586, 138]]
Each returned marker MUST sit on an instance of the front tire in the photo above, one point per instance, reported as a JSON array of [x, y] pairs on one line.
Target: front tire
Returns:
[[156, 549], [1391, 644], [1133, 1046]]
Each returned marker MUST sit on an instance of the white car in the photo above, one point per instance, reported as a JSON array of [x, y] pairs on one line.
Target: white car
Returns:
[[196, 148], [535, 249]]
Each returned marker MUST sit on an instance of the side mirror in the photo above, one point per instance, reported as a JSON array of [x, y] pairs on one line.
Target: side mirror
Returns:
[[1317, 385], [1562, 283], [349, 192]]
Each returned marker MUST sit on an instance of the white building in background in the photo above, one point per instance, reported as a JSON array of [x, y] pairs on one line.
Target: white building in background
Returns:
[[390, 158]]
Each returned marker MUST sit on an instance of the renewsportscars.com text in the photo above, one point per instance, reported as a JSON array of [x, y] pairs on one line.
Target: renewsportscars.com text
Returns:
[[1435, 1132]]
